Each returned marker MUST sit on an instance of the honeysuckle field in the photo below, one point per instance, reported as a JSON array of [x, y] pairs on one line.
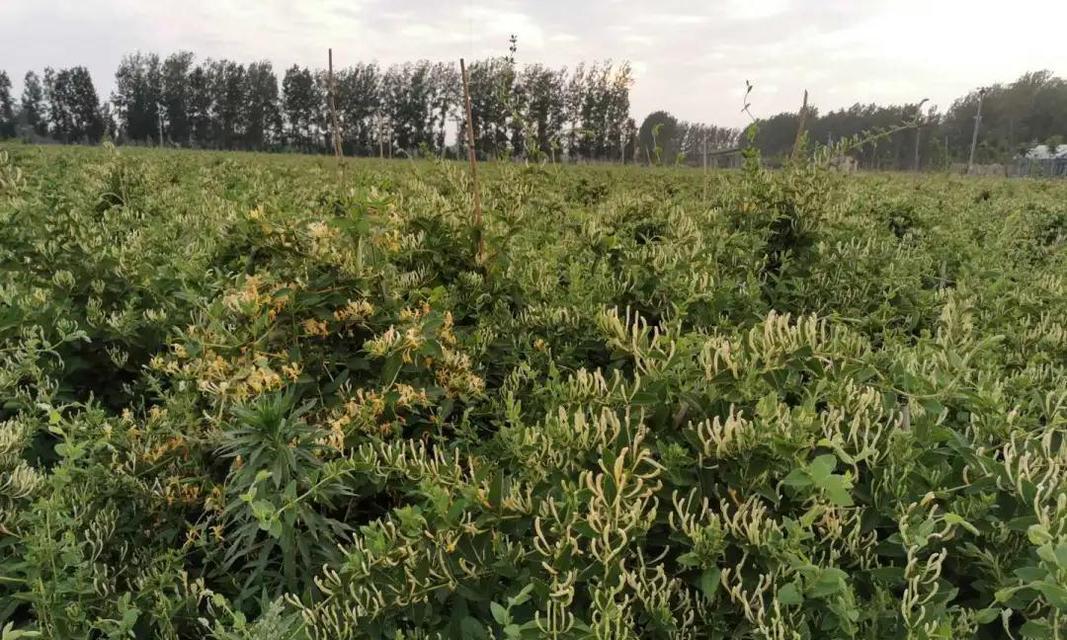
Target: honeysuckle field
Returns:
[[250, 397]]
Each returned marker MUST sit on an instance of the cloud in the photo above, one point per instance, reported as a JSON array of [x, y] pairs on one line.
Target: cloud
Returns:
[[754, 9], [638, 39], [502, 23], [429, 33], [676, 19]]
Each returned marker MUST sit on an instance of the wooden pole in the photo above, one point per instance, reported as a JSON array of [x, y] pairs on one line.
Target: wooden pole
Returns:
[[918, 134], [381, 141], [800, 127], [705, 150], [974, 136], [333, 112], [473, 160]]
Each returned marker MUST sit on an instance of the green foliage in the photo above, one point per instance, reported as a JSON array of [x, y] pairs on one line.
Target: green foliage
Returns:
[[276, 493], [661, 136], [245, 397], [1015, 117], [7, 110]]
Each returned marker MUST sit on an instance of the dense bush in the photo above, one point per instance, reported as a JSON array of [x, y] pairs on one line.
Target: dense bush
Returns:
[[252, 397]]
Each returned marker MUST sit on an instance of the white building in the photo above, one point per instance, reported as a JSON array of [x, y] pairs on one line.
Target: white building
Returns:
[[1042, 161], [1042, 152]]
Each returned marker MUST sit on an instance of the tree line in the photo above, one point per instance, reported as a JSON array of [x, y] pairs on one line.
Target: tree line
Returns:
[[62, 105], [1016, 116], [662, 138], [530, 111]]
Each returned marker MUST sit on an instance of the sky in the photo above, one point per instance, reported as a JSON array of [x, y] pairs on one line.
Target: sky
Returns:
[[691, 58]]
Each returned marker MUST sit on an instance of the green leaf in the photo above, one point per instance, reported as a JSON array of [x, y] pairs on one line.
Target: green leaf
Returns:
[[837, 490], [262, 510], [9, 632], [522, 596], [391, 368], [829, 582], [891, 575], [822, 466], [933, 407], [432, 348], [1038, 534], [767, 406], [472, 628], [790, 595], [645, 398], [512, 631], [987, 615], [709, 582], [1022, 523], [1030, 573], [496, 490], [500, 614], [1038, 629], [797, 479], [70, 450], [1054, 594], [953, 518]]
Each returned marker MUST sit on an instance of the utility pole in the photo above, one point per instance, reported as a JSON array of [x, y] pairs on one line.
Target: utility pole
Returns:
[[159, 118], [974, 136]]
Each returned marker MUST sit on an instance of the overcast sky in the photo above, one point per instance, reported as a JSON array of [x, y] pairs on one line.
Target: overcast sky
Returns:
[[691, 58]]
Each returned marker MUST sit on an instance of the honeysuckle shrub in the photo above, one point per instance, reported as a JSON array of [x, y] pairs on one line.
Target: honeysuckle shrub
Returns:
[[261, 397]]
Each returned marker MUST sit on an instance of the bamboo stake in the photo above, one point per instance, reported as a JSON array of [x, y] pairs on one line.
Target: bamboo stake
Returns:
[[333, 113], [800, 127], [705, 150], [974, 137], [473, 160]]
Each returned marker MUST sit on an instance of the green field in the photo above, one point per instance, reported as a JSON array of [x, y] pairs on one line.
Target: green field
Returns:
[[250, 397]]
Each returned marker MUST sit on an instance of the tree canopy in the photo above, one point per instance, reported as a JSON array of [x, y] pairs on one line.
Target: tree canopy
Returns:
[[530, 111]]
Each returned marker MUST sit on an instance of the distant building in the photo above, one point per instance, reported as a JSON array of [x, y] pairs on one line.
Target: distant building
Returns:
[[1042, 161], [844, 164], [727, 158]]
